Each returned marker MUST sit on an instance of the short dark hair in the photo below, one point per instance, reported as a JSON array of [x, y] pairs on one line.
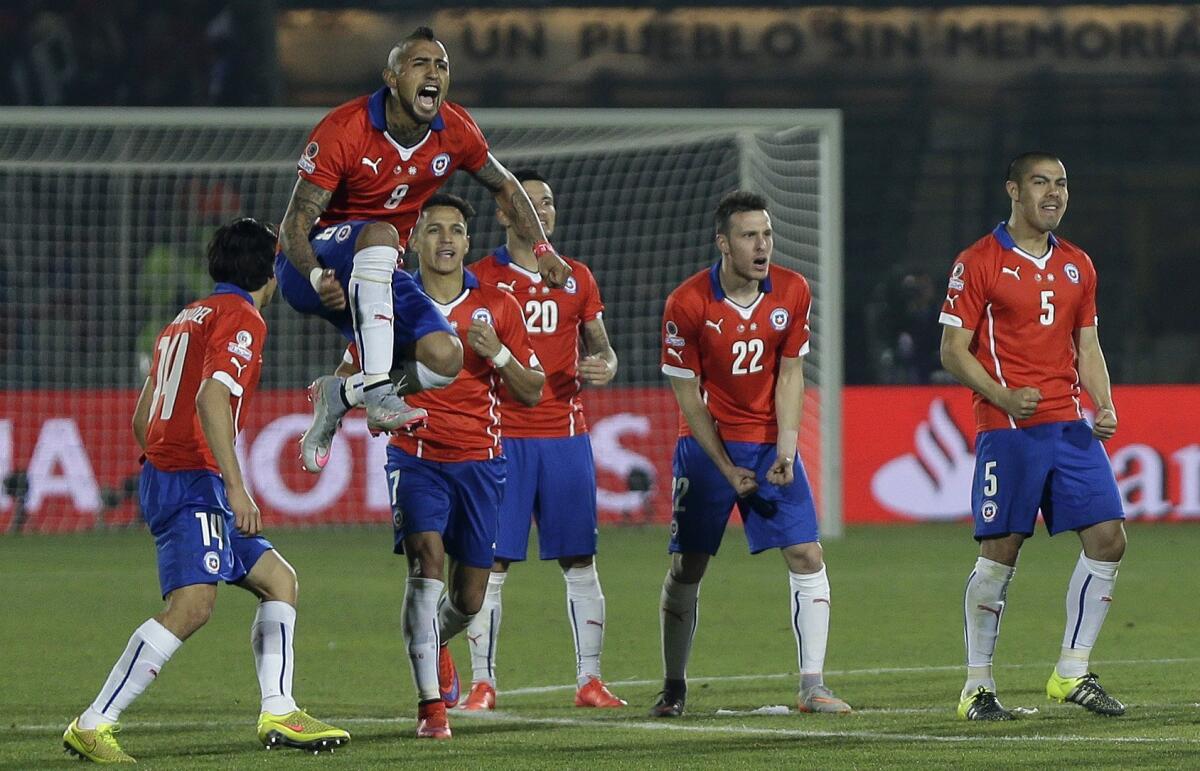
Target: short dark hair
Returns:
[[453, 201], [1018, 167], [736, 202], [530, 175], [242, 253]]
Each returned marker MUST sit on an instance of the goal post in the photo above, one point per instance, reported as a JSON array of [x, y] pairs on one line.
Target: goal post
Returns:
[[106, 212]]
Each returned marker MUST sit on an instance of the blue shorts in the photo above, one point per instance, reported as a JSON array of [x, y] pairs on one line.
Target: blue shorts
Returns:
[[194, 531], [416, 315], [459, 500], [775, 517], [1057, 467], [554, 480]]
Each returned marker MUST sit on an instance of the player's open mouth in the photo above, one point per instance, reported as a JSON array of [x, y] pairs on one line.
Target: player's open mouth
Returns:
[[427, 97], [445, 254], [1052, 206], [761, 262]]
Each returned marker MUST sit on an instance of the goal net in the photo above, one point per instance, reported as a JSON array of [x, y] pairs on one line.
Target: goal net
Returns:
[[105, 215]]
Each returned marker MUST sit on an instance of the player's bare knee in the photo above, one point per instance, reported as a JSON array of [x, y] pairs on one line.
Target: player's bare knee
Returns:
[[187, 610], [441, 352], [804, 557], [688, 568], [566, 563], [377, 234], [1104, 542], [1003, 549], [468, 599]]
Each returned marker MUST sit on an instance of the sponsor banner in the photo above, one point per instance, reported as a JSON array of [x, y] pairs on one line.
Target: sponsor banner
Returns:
[[68, 460], [910, 453]]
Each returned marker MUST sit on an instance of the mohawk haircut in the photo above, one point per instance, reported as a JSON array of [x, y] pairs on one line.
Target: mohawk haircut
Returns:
[[242, 253], [453, 201], [420, 33], [1018, 167], [736, 202]]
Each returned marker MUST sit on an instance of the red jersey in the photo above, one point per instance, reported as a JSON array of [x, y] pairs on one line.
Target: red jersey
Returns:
[[554, 319], [735, 350], [464, 417], [1024, 311], [372, 176], [220, 337]]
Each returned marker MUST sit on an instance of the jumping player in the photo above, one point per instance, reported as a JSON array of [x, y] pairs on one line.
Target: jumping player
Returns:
[[551, 474], [365, 173], [195, 501], [734, 340], [1019, 329]]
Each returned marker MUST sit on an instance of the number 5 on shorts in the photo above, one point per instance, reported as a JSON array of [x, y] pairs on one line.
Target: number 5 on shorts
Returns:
[[990, 483]]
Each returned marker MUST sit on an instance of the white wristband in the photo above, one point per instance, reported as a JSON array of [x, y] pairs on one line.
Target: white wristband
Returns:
[[314, 278], [502, 358]]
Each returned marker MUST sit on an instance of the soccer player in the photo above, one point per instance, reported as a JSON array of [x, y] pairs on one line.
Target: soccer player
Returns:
[[195, 501], [551, 474], [1019, 329], [366, 171], [446, 481], [734, 340]]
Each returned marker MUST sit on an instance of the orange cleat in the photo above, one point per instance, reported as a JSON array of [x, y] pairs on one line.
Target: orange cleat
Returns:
[[481, 697], [432, 722], [595, 693], [448, 677]]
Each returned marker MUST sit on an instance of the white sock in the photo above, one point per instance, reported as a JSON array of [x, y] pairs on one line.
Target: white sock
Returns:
[[451, 620], [484, 632], [371, 304], [420, 625], [810, 622], [150, 647], [983, 605], [1089, 595], [352, 390], [271, 637], [585, 611], [679, 613]]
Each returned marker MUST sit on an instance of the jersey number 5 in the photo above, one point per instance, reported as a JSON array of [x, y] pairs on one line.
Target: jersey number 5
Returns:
[[171, 353], [1047, 317], [748, 356]]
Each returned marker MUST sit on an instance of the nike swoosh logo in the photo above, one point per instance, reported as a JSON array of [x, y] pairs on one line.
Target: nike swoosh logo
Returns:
[[89, 746], [294, 726]]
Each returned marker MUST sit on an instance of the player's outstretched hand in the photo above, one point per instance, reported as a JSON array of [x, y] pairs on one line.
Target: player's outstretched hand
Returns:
[[482, 339], [781, 472], [332, 296], [1105, 424], [246, 515], [554, 269], [743, 481], [595, 371], [1021, 403]]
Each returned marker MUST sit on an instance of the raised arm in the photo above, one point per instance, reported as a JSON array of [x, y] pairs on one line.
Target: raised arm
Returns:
[[704, 430], [599, 367], [958, 360], [305, 208], [514, 202], [216, 421], [1093, 375]]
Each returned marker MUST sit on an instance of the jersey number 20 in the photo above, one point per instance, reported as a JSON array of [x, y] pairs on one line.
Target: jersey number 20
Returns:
[[541, 316]]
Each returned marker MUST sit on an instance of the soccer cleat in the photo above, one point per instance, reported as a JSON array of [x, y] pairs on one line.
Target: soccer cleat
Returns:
[[448, 677], [300, 730], [97, 745], [983, 705], [387, 412], [1085, 691], [329, 406], [671, 699], [594, 693], [432, 722], [819, 698], [481, 697]]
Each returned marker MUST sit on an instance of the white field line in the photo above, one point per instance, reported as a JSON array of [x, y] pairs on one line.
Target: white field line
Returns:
[[837, 673]]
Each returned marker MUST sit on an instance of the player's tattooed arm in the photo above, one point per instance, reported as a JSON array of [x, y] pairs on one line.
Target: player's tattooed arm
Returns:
[[514, 202], [307, 204], [141, 414], [599, 367]]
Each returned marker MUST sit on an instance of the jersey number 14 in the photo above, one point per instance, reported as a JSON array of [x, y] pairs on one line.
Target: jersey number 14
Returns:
[[172, 351]]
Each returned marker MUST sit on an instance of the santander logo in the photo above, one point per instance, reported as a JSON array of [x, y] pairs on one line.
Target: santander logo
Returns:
[[934, 481]]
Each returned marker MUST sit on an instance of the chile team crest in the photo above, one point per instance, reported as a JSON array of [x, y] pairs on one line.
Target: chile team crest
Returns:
[[440, 164], [482, 314], [779, 318]]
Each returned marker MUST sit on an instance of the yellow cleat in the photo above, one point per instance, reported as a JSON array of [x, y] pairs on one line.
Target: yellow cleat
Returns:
[[300, 730], [982, 705], [97, 745], [1084, 691]]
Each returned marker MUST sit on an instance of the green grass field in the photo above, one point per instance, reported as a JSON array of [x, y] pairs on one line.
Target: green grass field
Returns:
[[70, 603]]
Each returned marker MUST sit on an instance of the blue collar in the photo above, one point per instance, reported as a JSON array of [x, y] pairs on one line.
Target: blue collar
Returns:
[[1002, 235], [469, 280], [714, 276], [224, 288], [377, 111], [501, 254]]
